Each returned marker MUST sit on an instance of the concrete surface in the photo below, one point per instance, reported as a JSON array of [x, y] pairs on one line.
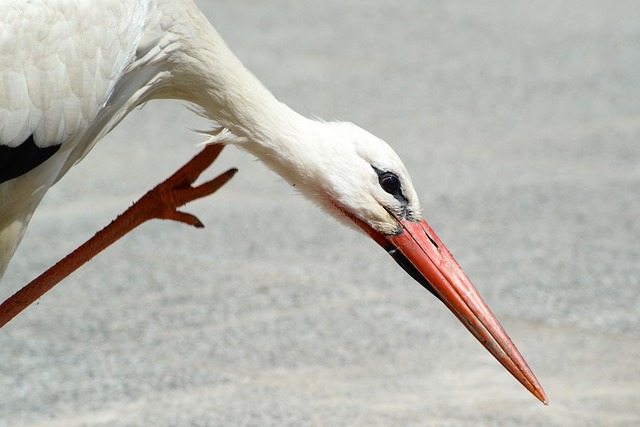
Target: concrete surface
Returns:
[[520, 124]]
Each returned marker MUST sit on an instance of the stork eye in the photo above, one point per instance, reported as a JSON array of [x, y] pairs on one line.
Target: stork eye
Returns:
[[389, 182]]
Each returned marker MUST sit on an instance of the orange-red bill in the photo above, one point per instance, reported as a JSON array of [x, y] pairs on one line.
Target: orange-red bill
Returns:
[[419, 251]]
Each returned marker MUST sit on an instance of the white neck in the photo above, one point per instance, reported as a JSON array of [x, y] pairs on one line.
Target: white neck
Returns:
[[205, 72], [200, 68]]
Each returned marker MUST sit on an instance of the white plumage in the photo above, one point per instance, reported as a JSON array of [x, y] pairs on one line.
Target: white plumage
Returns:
[[72, 69], [59, 71]]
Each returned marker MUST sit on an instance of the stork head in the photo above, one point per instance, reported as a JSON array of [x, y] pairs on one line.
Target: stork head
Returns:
[[359, 179]]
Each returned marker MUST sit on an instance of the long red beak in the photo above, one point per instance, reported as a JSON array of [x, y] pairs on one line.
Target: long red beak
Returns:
[[421, 253]]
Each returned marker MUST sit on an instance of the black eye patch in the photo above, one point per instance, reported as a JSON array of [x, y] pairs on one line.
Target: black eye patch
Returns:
[[390, 183]]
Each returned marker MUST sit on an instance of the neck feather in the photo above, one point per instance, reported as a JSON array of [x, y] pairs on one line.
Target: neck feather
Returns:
[[206, 73], [202, 70]]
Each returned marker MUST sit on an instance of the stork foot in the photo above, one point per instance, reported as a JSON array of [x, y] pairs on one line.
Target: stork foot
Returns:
[[162, 202]]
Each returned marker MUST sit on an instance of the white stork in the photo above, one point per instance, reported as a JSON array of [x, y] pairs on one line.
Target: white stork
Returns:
[[70, 70]]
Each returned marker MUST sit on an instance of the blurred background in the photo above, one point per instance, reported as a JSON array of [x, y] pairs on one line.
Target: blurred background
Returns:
[[519, 122]]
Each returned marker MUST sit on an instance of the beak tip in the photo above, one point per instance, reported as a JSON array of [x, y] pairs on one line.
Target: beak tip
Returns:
[[532, 384], [542, 397]]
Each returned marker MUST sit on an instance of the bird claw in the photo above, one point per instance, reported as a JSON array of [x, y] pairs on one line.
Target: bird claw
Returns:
[[163, 201], [185, 218]]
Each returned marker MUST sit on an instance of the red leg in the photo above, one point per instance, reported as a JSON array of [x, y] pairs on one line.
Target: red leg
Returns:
[[162, 202]]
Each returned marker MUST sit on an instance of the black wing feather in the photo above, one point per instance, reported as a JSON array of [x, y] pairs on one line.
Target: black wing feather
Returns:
[[16, 161]]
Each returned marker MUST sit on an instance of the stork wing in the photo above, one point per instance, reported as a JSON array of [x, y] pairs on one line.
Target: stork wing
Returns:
[[59, 64]]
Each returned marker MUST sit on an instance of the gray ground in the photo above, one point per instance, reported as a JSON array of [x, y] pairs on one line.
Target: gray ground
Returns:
[[520, 124]]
